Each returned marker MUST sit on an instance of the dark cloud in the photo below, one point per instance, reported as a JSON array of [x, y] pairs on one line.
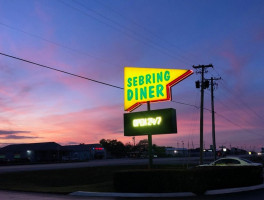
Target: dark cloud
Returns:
[[6, 69], [15, 135], [4, 132], [18, 137], [72, 143]]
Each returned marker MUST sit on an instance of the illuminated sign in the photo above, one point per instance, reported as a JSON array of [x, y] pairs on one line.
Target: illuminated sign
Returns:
[[152, 122], [149, 84], [98, 148], [147, 121]]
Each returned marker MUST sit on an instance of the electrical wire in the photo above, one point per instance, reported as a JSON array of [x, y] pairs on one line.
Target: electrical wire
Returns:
[[223, 83], [220, 115], [183, 59], [238, 125], [129, 32], [58, 70], [107, 84], [187, 104], [242, 102], [83, 77], [148, 31], [55, 43]]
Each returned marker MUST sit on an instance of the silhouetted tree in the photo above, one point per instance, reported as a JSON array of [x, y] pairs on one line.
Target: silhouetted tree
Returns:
[[159, 150], [143, 145], [113, 147]]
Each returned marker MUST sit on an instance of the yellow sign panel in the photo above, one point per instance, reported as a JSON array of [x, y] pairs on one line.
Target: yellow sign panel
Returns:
[[150, 84]]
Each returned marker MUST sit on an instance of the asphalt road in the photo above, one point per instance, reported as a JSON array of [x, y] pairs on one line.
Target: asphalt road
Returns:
[[11, 195], [95, 163]]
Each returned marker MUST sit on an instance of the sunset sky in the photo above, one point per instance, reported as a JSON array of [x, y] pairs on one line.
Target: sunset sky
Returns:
[[97, 39]]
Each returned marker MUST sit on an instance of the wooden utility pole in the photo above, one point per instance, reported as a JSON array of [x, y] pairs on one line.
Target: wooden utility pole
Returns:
[[213, 114], [203, 85]]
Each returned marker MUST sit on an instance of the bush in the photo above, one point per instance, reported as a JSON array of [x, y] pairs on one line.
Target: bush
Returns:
[[228, 177], [150, 180], [196, 180]]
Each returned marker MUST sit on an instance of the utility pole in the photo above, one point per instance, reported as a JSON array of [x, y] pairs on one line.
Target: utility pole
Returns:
[[203, 84], [134, 140], [213, 114]]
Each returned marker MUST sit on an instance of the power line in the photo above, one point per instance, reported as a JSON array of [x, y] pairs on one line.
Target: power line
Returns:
[[107, 84], [58, 70], [54, 43], [230, 109], [83, 77], [237, 124], [130, 32], [223, 82], [148, 42], [242, 102], [187, 104], [220, 115], [230, 121], [144, 29]]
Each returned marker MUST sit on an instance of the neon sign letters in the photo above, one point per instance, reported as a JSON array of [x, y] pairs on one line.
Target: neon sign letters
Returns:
[[147, 121]]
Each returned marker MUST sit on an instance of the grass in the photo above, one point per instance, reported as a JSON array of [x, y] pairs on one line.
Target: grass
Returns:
[[94, 179]]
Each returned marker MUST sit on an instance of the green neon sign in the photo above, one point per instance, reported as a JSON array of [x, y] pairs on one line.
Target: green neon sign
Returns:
[[147, 121], [152, 122]]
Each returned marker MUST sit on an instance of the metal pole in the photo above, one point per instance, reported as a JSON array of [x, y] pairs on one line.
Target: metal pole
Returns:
[[150, 144], [213, 117]]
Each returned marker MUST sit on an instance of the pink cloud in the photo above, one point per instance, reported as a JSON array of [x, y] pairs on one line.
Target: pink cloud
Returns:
[[259, 35], [237, 61], [86, 125], [41, 14]]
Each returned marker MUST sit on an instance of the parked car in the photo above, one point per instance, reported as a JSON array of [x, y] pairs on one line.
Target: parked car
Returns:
[[232, 161]]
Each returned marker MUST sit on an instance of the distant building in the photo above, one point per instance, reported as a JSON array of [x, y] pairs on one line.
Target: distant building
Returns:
[[50, 152], [34, 152], [237, 151], [171, 151], [82, 152]]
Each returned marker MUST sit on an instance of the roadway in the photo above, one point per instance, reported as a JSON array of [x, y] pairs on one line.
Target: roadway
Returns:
[[96, 163], [11, 195]]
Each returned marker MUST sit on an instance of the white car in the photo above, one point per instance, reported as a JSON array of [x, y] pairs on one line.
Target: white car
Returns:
[[232, 161]]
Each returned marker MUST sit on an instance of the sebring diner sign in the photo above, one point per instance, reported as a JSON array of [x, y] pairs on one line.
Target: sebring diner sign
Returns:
[[144, 85]]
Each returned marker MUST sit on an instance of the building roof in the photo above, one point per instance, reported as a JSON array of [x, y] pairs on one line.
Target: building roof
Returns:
[[52, 146]]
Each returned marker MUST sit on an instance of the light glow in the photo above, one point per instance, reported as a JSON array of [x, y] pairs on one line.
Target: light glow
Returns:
[[147, 121], [98, 148]]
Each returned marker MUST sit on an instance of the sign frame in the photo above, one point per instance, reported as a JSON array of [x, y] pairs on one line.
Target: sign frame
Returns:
[[152, 122], [137, 72]]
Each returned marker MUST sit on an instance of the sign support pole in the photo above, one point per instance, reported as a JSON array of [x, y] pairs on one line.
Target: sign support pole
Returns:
[[150, 144]]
